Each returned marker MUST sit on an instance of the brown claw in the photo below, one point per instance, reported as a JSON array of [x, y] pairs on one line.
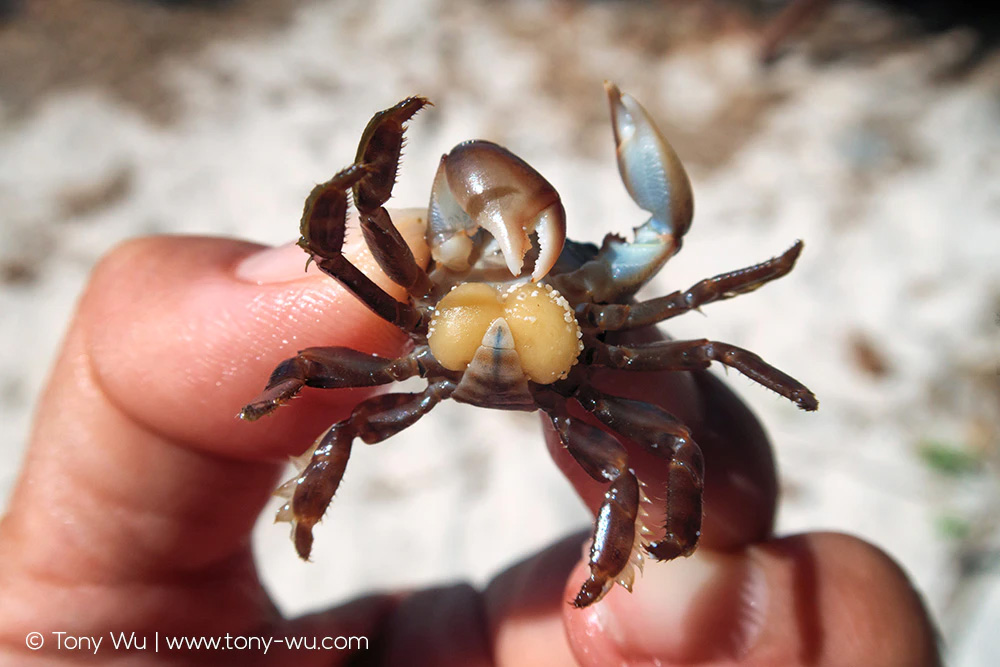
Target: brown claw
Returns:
[[504, 195]]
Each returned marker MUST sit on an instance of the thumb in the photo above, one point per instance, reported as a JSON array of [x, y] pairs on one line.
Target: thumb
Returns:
[[820, 599]]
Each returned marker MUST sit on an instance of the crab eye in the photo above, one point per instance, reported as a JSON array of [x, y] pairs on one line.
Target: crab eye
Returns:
[[546, 334]]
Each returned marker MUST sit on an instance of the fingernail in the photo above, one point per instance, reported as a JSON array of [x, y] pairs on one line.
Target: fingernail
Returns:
[[275, 265], [710, 606]]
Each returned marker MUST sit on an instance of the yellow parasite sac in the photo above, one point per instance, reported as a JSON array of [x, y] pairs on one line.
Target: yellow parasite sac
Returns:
[[545, 333]]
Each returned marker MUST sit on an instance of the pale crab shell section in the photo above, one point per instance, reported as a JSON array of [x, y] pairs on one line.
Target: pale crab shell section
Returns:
[[460, 321], [544, 330]]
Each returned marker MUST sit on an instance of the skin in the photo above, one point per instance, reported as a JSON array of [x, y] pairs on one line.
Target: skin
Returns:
[[139, 490]]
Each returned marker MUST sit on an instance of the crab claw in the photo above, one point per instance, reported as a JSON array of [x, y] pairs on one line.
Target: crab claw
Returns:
[[482, 185], [649, 167], [657, 182]]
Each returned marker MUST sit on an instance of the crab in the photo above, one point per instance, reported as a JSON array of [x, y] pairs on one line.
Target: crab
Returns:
[[512, 315]]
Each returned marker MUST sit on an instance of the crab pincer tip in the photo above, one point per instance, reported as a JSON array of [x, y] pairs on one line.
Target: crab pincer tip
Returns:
[[621, 120]]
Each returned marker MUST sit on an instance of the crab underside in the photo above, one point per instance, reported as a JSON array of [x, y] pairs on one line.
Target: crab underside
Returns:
[[511, 315]]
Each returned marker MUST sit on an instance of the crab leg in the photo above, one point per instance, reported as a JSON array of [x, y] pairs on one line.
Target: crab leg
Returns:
[[324, 223], [379, 150], [687, 355], [392, 254], [663, 434], [616, 317], [614, 551], [372, 420], [329, 368], [371, 177]]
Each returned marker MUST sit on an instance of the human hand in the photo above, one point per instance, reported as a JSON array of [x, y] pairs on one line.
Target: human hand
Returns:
[[139, 491]]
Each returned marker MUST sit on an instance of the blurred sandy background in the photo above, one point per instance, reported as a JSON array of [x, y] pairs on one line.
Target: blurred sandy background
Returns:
[[872, 138]]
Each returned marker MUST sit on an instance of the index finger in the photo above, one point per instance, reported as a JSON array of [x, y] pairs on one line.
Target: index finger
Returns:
[[137, 461]]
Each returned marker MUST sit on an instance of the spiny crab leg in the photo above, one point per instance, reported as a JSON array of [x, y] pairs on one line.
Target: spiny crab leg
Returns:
[[392, 254], [620, 528], [373, 420], [689, 355], [664, 435], [379, 150], [619, 316], [324, 223], [328, 368], [371, 178], [480, 185]]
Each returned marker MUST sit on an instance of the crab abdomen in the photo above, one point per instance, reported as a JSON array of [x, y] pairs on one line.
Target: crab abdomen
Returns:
[[494, 377]]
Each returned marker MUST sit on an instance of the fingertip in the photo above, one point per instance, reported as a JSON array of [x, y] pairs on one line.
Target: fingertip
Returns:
[[706, 607], [815, 599], [137, 461], [180, 338], [846, 601]]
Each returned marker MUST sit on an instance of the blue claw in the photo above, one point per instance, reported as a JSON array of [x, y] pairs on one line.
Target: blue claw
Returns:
[[650, 168], [656, 180]]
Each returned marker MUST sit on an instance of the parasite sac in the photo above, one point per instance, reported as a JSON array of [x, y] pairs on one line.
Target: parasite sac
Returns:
[[511, 315]]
